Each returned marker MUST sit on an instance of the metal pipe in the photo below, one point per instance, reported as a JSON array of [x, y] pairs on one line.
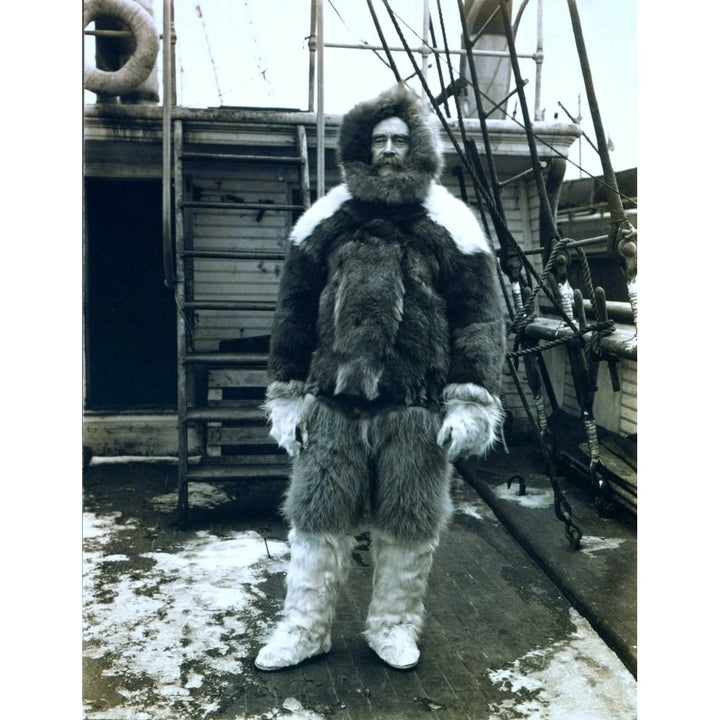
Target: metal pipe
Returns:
[[616, 310], [184, 378], [167, 143], [110, 33], [600, 239], [312, 49], [520, 175], [539, 60], [425, 52], [320, 101], [430, 49]]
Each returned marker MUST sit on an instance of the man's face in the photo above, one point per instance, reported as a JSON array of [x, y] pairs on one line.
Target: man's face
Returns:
[[389, 144]]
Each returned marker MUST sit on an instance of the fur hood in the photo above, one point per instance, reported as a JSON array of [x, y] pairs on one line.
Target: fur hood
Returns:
[[423, 160]]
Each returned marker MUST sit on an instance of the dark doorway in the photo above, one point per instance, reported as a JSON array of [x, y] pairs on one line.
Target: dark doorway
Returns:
[[129, 313]]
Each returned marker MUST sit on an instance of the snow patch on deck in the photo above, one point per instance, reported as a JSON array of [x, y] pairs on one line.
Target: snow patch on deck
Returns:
[[578, 677], [477, 510], [99, 529], [466, 501], [534, 498], [474, 510], [592, 544], [199, 604], [292, 709]]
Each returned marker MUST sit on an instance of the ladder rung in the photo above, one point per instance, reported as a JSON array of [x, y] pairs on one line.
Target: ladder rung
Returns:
[[209, 205], [239, 157], [262, 471], [256, 306], [234, 254], [226, 414], [224, 358], [274, 456]]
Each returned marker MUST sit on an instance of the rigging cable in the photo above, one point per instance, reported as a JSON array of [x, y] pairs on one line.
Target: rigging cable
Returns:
[[199, 12], [365, 42], [511, 116], [378, 28], [262, 68], [471, 171]]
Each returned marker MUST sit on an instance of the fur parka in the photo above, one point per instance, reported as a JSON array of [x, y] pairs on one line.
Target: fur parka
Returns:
[[389, 294]]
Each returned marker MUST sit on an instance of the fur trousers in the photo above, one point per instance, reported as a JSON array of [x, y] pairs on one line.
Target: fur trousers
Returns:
[[387, 462]]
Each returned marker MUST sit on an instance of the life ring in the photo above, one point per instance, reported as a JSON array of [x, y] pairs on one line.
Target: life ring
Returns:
[[140, 64]]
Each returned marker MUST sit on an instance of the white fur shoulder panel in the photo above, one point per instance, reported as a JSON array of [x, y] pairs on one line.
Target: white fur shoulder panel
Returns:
[[321, 209], [457, 218]]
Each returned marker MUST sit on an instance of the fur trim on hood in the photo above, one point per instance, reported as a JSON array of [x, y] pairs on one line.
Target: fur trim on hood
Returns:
[[423, 160]]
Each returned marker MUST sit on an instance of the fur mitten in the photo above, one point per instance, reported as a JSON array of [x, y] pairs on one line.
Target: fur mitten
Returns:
[[473, 421], [286, 406]]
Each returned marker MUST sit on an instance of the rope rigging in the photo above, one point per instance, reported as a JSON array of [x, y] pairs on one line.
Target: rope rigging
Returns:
[[499, 106], [199, 12], [581, 339]]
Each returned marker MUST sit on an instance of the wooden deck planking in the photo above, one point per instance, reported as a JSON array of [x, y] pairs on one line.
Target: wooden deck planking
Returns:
[[490, 609]]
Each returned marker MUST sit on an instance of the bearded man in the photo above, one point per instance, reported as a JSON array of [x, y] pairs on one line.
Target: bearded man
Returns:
[[385, 366]]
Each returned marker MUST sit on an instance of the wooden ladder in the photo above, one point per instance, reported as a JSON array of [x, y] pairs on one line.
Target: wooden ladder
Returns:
[[227, 267]]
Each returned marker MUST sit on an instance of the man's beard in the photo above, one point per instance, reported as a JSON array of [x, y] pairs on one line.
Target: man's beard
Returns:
[[391, 180], [391, 163]]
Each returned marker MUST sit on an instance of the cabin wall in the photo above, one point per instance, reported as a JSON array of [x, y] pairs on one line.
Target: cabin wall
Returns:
[[628, 400], [135, 434], [615, 411], [262, 231], [521, 205]]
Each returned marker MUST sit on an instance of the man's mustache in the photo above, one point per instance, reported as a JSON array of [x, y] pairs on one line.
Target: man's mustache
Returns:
[[390, 160]]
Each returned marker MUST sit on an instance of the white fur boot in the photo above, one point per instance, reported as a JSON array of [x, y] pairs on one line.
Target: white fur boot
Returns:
[[319, 563], [395, 616]]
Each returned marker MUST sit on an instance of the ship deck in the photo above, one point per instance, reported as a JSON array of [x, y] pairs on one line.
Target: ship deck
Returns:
[[519, 624]]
